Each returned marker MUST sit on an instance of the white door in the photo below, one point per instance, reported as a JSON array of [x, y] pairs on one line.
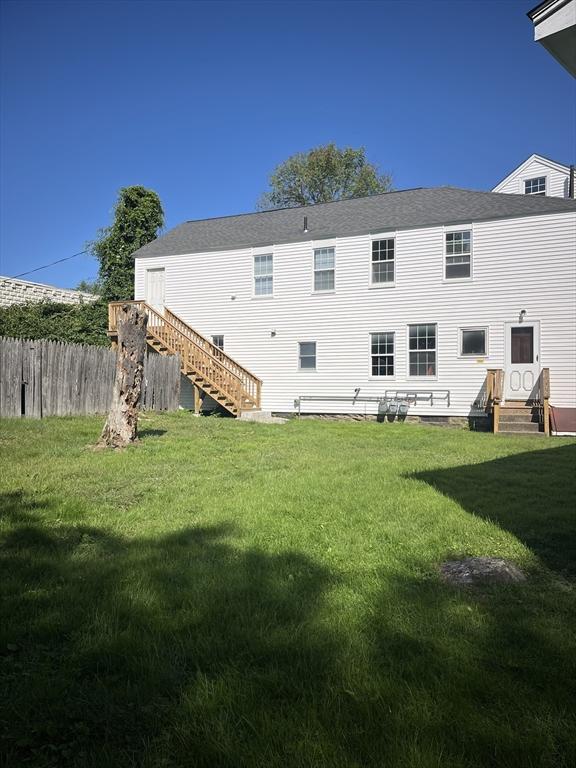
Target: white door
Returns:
[[522, 367], [155, 289]]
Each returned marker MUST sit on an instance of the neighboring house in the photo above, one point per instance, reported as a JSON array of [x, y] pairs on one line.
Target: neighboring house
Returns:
[[555, 27], [410, 298], [16, 291], [539, 175]]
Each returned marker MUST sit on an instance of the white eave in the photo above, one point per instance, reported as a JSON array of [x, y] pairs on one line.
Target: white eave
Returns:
[[555, 28]]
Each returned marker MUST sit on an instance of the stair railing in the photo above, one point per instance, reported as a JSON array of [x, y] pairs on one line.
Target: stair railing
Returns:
[[195, 358], [252, 384], [494, 390], [544, 398]]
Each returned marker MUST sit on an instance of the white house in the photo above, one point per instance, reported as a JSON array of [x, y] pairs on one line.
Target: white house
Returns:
[[538, 175], [403, 302]]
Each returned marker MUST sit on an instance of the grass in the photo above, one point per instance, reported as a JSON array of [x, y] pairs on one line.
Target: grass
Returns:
[[230, 594]]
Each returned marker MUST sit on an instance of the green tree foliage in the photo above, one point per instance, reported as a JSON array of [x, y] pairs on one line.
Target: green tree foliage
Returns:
[[138, 216], [85, 323], [89, 286], [321, 175]]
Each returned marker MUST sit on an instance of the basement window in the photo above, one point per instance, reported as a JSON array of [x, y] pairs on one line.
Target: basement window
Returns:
[[307, 355], [263, 275], [458, 255], [473, 342], [535, 186]]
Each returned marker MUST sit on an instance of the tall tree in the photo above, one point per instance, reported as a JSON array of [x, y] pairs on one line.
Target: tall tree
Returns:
[[138, 216], [321, 175]]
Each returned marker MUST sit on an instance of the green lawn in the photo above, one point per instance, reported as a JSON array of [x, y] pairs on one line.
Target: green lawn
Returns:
[[237, 594]]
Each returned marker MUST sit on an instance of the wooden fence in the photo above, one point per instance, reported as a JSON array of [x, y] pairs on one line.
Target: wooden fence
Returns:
[[51, 378]]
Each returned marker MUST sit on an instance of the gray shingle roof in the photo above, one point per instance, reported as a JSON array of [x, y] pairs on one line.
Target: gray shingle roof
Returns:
[[408, 209]]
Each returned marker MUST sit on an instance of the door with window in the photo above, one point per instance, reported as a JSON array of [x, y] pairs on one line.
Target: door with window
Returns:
[[155, 289], [522, 367]]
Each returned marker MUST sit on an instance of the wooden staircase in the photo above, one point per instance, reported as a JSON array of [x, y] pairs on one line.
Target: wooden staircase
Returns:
[[518, 416], [209, 369]]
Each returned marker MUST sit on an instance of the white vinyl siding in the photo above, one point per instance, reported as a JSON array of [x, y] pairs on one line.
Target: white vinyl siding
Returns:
[[217, 287], [324, 269]]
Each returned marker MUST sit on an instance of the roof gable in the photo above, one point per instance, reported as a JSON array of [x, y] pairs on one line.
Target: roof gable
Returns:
[[519, 170]]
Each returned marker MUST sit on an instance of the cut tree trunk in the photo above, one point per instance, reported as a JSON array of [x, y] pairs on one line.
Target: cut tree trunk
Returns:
[[121, 426]]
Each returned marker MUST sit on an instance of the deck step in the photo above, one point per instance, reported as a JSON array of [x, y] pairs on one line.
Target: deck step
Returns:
[[519, 426]]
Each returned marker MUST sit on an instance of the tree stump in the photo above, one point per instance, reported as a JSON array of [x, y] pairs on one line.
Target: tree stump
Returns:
[[121, 426]]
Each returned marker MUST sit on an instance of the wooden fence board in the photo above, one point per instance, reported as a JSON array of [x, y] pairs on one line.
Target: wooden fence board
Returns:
[[51, 378]]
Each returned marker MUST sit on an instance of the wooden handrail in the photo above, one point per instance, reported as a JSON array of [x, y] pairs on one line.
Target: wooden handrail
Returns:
[[545, 397], [198, 356], [494, 390]]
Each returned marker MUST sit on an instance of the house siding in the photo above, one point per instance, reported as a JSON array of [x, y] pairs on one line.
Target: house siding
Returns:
[[527, 263]]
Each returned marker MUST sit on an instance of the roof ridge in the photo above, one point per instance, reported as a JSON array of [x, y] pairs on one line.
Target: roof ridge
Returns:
[[301, 207]]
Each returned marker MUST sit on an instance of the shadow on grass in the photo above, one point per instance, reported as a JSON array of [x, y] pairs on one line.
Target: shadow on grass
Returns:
[[144, 433], [532, 495], [189, 650]]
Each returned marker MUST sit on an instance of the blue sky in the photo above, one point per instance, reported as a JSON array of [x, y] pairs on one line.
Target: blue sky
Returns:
[[200, 101]]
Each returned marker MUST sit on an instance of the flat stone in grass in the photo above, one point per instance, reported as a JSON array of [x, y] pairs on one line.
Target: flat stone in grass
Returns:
[[481, 570]]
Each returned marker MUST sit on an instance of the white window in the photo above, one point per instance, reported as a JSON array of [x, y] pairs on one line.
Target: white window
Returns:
[[383, 261], [458, 255], [307, 355], [535, 186], [218, 341], [324, 269], [263, 275], [473, 342], [382, 354], [422, 349]]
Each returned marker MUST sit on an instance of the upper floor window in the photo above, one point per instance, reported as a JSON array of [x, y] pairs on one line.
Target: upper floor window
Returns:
[[307, 355], [382, 354], [324, 269], [383, 261], [263, 275], [535, 186], [458, 254], [422, 349], [218, 341]]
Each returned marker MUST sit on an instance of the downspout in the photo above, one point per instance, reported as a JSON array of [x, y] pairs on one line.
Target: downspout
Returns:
[[571, 183]]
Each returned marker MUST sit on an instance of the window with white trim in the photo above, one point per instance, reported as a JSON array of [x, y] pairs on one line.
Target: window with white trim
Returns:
[[458, 255], [473, 342], [535, 186], [422, 349], [307, 355], [263, 275], [218, 341], [383, 261], [324, 269], [382, 354]]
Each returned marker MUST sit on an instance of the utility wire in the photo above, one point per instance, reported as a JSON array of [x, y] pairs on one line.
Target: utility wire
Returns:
[[67, 258]]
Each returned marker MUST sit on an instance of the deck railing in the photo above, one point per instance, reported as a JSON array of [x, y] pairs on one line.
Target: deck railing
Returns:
[[494, 392], [199, 357]]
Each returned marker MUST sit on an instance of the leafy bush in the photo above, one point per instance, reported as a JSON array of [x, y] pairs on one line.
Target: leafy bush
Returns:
[[79, 323]]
